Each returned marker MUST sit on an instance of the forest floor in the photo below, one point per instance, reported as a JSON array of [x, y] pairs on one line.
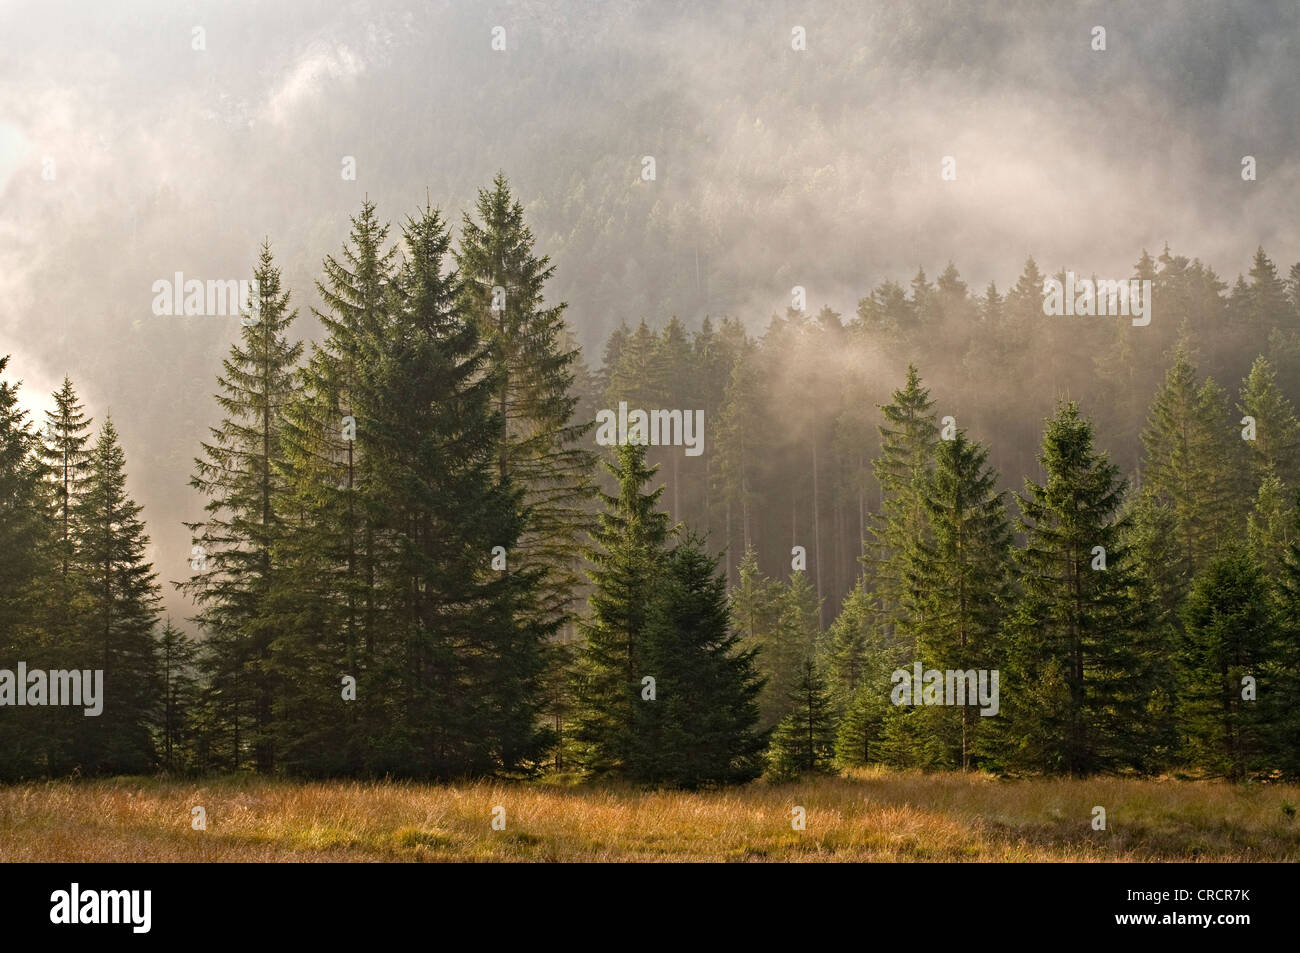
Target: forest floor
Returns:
[[867, 815]]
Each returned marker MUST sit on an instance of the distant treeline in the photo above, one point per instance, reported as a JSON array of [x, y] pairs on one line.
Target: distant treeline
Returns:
[[410, 563]]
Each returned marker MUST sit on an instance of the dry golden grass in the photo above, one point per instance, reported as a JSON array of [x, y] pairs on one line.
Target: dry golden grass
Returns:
[[864, 816]]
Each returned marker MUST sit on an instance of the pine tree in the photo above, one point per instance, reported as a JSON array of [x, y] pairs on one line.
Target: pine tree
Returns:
[[1230, 637], [239, 473], [456, 655], [122, 608], [63, 452], [28, 563], [804, 741], [324, 604], [957, 584], [1191, 467], [178, 675], [908, 437], [626, 570], [1081, 645], [1282, 703], [541, 452], [699, 728], [1275, 448]]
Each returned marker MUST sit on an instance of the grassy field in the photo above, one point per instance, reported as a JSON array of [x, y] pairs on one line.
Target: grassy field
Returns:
[[867, 815]]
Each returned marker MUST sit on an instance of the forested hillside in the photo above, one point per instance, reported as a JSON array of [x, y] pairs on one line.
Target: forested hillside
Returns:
[[413, 554]]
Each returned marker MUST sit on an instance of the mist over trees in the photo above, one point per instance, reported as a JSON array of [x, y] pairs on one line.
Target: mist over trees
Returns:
[[409, 563]]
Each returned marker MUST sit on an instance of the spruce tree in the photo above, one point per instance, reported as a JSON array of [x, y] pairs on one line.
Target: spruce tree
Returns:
[[63, 451], [122, 609], [957, 583], [699, 728], [789, 634], [1282, 703], [1081, 644], [1230, 639], [1269, 307], [627, 563], [178, 679], [1271, 525], [541, 451], [325, 603], [456, 658], [1275, 448], [1191, 466], [743, 435], [804, 741], [26, 569], [908, 436], [859, 662], [235, 571]]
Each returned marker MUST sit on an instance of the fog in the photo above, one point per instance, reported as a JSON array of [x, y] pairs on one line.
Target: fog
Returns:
[[774, 167]]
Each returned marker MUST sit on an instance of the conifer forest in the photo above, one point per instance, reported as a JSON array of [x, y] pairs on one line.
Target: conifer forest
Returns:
[[653, 400]]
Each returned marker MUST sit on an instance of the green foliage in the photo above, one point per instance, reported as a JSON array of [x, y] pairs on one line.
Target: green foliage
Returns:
[[957, 583], [26, 534], [804, 741], [1082, 656], [121, 610], [626, 568], [1230, 636], [700, 727]]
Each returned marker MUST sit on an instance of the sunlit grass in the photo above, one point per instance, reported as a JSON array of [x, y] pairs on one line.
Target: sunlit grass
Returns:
[[864, 816]]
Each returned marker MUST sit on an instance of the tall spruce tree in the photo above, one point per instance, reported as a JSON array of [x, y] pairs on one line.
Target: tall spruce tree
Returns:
[[503, 283], [26, 569], [122, 609], [1081, 650], [1275, 447], [326, 602], [67, 431], [1191, 467], [908, 436], [699, 727], [240, 475], [63, 451], [457, 657], [627, 565], [957, 583], [1226, 658]]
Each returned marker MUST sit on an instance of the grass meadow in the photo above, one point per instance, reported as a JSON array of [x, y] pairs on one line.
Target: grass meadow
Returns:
[[866, 815]]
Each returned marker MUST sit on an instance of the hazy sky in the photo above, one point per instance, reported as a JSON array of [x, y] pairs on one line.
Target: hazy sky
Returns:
[[775, 167]]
